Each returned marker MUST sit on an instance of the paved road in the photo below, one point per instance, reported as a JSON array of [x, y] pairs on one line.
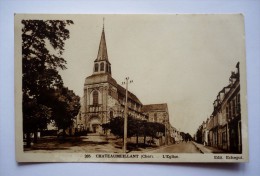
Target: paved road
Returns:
[[94, 143], [184, 147]]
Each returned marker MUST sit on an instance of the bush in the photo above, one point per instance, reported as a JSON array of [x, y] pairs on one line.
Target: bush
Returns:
[[81, 133], [49, 133]]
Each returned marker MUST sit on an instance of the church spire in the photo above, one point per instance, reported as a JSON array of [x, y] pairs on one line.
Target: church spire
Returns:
[[102, 64], [102, 51]]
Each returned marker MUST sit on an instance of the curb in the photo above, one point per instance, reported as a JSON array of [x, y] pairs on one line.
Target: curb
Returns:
[[197, 147]]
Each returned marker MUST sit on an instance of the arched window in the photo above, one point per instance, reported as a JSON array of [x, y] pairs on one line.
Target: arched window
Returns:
[[96, 67], [155, 117], [102, 66], [95, 98], [111, 114], [106, 67]]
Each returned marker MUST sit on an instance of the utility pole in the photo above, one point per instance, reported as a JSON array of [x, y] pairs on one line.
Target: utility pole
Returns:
[[165, 132], [125, 114]]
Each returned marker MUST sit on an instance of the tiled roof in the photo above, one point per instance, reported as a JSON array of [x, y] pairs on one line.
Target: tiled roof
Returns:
[[155, 107], [131, 96]]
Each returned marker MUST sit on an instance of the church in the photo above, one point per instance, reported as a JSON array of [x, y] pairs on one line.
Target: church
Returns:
[[104, 98]]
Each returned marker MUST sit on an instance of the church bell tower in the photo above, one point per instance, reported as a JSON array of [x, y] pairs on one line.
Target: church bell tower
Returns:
[[100, 91], [101, 64]]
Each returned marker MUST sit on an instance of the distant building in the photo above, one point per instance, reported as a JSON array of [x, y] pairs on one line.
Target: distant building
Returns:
[[175, 135], [205, 133], [158, 113]]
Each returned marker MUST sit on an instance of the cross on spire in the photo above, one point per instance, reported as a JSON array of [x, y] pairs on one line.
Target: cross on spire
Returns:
[[103, 23]]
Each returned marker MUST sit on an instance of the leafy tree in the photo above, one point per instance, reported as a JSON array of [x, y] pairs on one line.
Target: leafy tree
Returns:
[[42, 49], [139, 129], [135, 127], [186, 136], [199, 135], [37, 117], [65, 105], [153, 129], [116, 125]]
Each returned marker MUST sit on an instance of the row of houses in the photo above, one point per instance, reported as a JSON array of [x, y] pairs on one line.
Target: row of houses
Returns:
[[223, 128]]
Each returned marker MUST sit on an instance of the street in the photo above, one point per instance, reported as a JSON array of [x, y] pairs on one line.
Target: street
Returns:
[[182, 147], [99, 144]]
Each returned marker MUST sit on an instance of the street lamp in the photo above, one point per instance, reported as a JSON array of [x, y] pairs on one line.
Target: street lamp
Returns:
[[126, 109]]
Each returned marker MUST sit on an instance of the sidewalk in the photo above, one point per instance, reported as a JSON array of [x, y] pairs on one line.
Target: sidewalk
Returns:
[[207, 149]]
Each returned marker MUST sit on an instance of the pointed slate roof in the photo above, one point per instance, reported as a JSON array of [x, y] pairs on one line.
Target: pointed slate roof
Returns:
[[102, 51]]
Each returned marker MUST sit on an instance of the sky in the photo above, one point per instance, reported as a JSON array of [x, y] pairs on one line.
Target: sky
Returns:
[[181, 60]]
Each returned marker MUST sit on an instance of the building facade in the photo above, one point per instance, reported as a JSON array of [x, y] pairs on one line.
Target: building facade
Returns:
[[224, 125]]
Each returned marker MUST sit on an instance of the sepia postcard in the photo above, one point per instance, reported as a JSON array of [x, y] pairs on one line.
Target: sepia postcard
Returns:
[[130, 88]]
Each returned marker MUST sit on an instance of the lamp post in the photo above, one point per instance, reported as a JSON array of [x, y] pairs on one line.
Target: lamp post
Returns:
[[125, 114]]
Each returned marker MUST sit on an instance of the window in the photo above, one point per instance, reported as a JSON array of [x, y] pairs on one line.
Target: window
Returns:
[[96, 67], [102, 66], [215, 138], [234, 107], [155, 117], [238, 104], [227, 113], [95, 98], [111, 114], [224, 138], [229, 110]]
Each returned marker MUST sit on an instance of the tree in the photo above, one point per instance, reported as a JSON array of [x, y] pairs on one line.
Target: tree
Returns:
[[65, 105], [116, 125], [199, 135], [186, 136], [139, 129], [135, 127], [153, 129], [37, 117], [42, 48]]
